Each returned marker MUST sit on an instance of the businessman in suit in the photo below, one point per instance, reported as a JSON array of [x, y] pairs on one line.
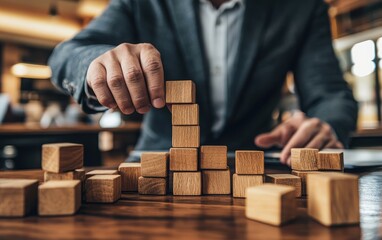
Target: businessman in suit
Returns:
[[236, 51]]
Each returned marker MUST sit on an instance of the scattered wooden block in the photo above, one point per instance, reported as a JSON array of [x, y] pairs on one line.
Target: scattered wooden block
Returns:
[[130, 172], [213, 157], [249, 162], [330, 161], [18, 197], [180, 91], [185, 114], [304, 159], [286, 179], [103, 188], [185, 136], [152, 186], [333, 198], [271, 203], [303, 175], [101, 172], [184, 159], [187, 183], [56, 198], [154, 164], [241, 182], [216, 181], [62, 157], [78, 174]]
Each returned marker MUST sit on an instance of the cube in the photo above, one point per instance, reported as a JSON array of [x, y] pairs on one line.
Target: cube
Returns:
[[101, 172], [18, 197], [62, 157], [330, 161], [213, 157], [185, 136], [271, 203], [187, 183], [303, 175], [130, 172], [184, 159], [216, 181], [180, 91], [58, 198], [333, 198], [103, 188], [242, 182], [152, 186], [304, 159], [185, 114], [78, 174], [154, 164], [286, 179], [249, 162]]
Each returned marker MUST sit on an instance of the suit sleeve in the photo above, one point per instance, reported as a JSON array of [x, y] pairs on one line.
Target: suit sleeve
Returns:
[[322, 91], [71, 59]]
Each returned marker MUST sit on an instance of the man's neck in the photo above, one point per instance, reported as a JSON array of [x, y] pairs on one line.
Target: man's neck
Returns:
[[218, 3]]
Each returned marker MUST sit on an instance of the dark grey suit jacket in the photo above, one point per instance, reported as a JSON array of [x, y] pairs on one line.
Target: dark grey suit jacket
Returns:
[[277, 36]]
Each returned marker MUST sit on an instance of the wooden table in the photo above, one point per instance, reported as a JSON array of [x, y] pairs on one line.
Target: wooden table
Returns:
[[205, 217]]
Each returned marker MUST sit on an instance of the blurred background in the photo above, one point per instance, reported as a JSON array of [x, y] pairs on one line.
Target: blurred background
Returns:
[[33, 112]]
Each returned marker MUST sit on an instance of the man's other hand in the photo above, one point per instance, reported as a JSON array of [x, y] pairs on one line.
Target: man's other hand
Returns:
[[299, 132], [129, 77]]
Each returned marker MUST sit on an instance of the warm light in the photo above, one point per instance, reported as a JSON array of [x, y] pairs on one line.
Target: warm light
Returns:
[[25, 70], [363, 51]]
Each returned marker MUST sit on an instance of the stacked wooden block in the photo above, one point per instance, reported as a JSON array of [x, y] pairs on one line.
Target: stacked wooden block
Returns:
[[154, 173], [249, 167], [130, 173], [102, 186]]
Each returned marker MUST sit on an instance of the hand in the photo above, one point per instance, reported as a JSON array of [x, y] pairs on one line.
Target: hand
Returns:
[[299, 132], [129, 77]]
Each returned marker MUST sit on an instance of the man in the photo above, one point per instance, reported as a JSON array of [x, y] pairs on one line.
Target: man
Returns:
[[236, 51]]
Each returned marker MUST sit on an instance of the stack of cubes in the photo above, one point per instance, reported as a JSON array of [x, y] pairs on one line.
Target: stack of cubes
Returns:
[[154, 171]]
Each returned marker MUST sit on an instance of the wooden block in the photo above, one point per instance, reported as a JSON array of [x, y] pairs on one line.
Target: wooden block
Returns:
[[187, 183], [303, 175], [103, 188], [62, 157], [185, 114], [271, 203], [333, 198], [130, 172], [216, 181], [249, 162], [180, 91], [56, 198], [152, 186], [330, 161], [304, 159], [286, 179], [242, 182], [185, 136], [78, 174], [18, 197], [154, 164], [213, 157], [101, 172], [184, 159]]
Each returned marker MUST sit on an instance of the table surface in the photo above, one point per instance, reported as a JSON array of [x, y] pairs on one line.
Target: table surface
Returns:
[[200, 217]]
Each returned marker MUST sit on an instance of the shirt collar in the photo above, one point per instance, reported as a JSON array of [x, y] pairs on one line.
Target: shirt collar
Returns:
[[227, 5]]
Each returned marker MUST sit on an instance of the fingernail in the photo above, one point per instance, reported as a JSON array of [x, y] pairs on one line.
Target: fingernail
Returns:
[[158, 103], [143, 110]]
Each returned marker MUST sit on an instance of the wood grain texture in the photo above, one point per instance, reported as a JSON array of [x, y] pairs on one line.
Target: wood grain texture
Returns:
[[103, 188], [154, 164], [286, 179], [304, 159], [187, 183], [78, 174], [130, 172], [18, 197], [330, 161], [185, 114], [303, 175], [62, 157], [185, 136], [271, 203], [242, 182], [56, 198], [213, 157], [216, 181], [249, 162], [333, 198], [152, 186], [101, 172], [180, 91], [184, 159]]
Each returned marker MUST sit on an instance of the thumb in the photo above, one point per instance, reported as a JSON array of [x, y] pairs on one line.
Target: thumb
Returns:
[[267, 140]]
